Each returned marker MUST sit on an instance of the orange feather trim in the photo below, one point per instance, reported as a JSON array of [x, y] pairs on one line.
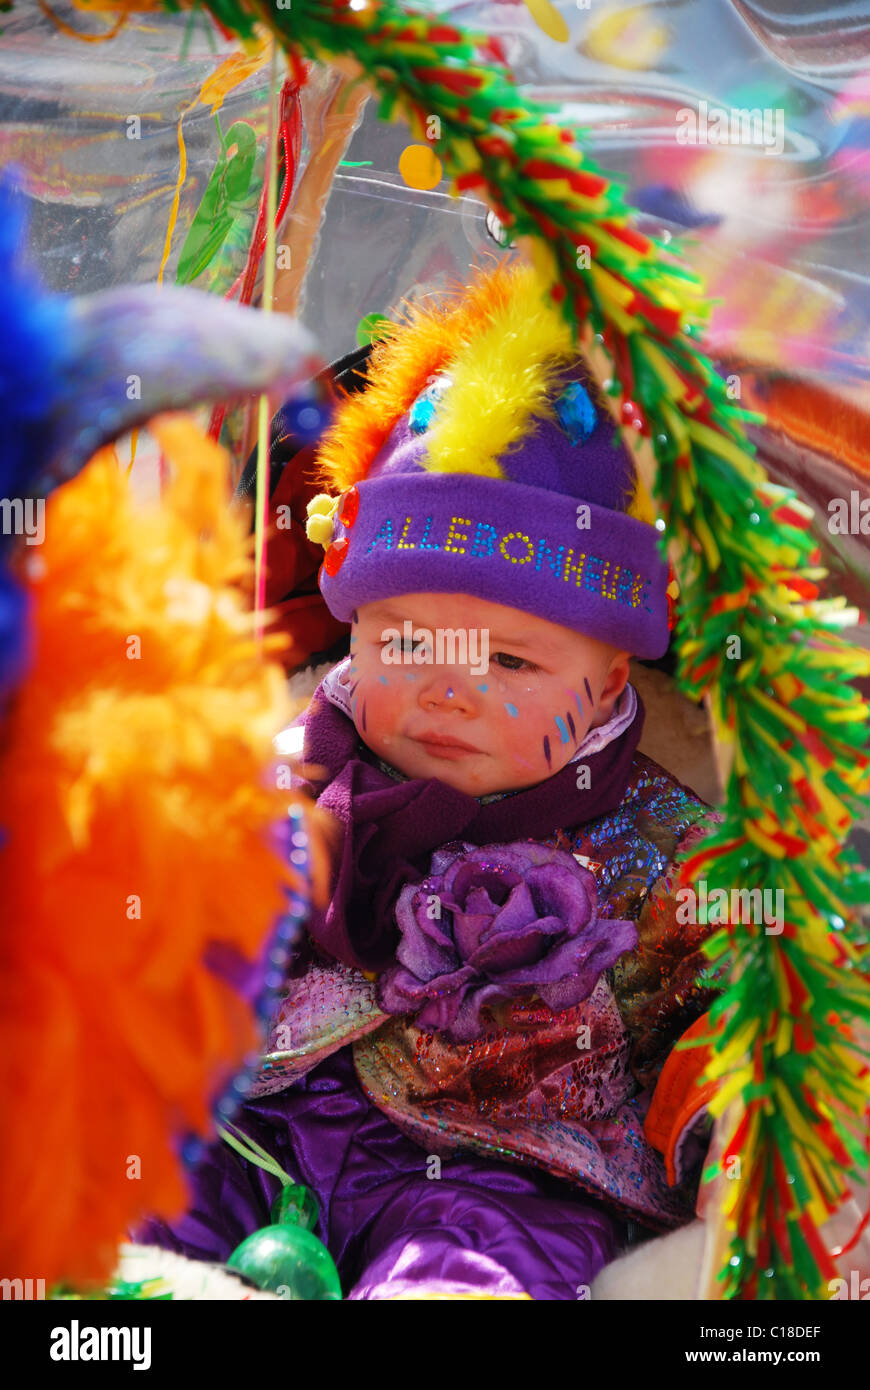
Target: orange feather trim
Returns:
[[829, 424], [135, 763]]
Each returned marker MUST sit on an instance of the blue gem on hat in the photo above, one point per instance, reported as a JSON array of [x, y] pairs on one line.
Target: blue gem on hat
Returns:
[[576, 413], [422, 411]]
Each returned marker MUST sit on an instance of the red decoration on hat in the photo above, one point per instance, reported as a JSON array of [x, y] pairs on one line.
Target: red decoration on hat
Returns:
[[673, 593], [348, 507], [334, 557]]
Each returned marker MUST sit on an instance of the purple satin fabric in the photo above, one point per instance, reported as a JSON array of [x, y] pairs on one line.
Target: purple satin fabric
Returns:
[[484, 1225], [390, 828]]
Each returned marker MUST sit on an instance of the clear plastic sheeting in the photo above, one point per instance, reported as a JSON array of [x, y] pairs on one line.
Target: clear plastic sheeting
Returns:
[[743, 129], [746, 126], [101, 186]]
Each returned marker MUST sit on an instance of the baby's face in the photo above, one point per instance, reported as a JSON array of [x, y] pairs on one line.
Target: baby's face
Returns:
[[500, 704]]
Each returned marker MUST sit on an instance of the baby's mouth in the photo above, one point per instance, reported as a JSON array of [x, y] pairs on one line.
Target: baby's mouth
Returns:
[[444, 746]]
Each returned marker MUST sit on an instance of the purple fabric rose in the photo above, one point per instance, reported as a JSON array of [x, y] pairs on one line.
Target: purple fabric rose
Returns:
[[515, 920]]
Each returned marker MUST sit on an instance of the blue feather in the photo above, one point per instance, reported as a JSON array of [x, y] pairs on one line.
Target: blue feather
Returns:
[[33, 345], [34, 348]]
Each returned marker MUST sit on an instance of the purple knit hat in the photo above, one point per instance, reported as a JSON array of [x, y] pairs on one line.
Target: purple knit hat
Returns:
[[551, 537]]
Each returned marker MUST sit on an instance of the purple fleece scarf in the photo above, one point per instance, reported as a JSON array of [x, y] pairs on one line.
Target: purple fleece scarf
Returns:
[[391, 828]]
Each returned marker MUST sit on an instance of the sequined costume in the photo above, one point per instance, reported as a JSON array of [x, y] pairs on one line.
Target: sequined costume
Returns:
[[511, 1161]]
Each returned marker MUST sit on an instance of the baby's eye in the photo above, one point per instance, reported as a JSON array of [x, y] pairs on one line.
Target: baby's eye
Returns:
[[404, 644], [513, 663]]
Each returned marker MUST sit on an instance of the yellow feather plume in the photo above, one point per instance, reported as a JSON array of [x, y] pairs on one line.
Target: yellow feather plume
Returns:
[[499, 380]]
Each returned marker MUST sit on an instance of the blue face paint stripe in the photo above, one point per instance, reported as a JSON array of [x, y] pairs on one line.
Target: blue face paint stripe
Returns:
[[547, 751], [563, 729], [512, 711], [578, 702]]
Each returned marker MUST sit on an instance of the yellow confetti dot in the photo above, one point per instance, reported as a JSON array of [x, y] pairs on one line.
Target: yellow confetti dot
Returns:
[[631, 39], [420, 167], [547, 17]]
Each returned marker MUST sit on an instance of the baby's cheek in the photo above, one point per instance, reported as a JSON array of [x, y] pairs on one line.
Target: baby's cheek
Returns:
[[377, 704], [517, 750], [543, 734]]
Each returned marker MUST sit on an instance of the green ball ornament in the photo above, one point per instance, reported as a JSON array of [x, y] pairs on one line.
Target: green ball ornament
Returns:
[[370, 328], [285, 1258], [295, 1205], [289, 1261]]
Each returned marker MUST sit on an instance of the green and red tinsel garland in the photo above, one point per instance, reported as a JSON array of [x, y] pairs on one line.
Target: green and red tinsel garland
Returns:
[[752, 632]]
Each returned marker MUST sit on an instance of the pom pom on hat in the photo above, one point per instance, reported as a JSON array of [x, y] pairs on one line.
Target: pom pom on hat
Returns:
[[320, 511]]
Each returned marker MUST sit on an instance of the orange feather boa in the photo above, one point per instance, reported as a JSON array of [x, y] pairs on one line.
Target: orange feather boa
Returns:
[[134, 763]]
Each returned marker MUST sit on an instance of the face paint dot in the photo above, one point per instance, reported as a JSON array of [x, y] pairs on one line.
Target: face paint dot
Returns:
[[588, 691], [449, 693], [512, 711], [563, 729], [410, 675], [383, 680], [547, 751], [483, 688]]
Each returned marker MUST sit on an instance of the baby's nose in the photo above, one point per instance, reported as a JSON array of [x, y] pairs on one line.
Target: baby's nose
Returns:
[[447, 692]]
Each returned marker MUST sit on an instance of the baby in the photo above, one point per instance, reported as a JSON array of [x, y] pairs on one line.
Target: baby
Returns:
[[481, 731], [465, 1069]]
